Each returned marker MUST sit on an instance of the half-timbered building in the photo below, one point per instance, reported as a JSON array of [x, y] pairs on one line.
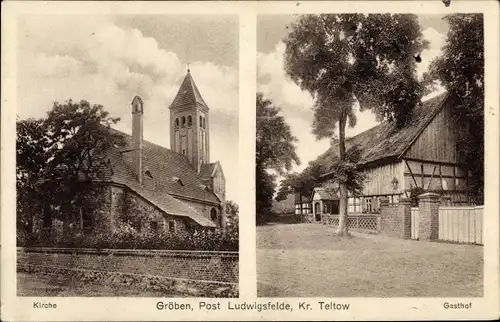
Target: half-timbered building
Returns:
[[424, 153]]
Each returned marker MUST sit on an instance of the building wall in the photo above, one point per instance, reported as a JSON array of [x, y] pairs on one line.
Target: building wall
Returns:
[[379, 179], [148, 213], [204, 208], [438, 141], [450, 180]]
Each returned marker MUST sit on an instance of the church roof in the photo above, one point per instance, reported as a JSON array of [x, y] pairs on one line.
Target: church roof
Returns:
[[169, 175], [188, 94], [207, 170]]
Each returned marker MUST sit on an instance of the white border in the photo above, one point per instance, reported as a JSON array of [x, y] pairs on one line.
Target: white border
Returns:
[[19, 308]]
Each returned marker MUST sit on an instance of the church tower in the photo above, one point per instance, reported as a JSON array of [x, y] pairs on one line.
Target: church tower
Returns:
[[190, 124]]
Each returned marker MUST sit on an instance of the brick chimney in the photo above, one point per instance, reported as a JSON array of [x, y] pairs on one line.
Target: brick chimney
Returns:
[[137, 129]]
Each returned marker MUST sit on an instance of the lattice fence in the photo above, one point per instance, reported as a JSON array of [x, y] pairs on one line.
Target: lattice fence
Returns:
[[362, 222]]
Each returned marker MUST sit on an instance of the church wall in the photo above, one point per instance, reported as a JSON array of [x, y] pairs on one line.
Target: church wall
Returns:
[[147, 211], [201, 208]]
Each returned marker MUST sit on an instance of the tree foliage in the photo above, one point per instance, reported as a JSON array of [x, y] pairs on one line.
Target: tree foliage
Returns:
[[275, 151], [345, 59], [59, 158], [460, 69], [302, 183], [232, 212]]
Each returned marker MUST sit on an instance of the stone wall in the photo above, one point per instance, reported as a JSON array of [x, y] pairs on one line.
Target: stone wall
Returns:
[[149, 214], [205, 273]]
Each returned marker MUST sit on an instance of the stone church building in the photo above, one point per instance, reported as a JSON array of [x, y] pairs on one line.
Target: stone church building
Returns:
[[167, 190]]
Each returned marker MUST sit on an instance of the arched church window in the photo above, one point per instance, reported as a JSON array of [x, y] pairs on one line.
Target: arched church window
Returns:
[[190, 121], [204, 123], [176, 123], [213, 214], [201, 121], [183, 122]]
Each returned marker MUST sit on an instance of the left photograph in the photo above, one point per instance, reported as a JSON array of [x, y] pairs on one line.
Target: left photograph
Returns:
[[127, 155]]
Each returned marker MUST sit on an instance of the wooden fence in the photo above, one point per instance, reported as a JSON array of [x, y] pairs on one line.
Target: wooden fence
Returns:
[[461, 224], [414, 223]]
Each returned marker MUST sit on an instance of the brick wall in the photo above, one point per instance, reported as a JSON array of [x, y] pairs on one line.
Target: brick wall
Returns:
[[395, 220], [216, 268], [428, 208]]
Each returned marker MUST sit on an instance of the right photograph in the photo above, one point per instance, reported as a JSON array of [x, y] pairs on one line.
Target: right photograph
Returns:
[[370, 155]]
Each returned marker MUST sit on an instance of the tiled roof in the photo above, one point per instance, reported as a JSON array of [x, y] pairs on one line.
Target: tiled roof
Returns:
[[165, 164], [207, 170], [188, 94], [155, 194], [386, 140], [327, 194]]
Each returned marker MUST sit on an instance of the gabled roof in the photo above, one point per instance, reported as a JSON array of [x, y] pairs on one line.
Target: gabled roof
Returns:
[[188, 94], [121, 173], [207, 170], [385, 141], [165, 165], [326, 194]]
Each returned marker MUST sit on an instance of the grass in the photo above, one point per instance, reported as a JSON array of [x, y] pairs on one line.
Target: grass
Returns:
[[31, 285], [308, 260]]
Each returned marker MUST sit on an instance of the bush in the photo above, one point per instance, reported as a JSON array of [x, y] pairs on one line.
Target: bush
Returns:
[[125, 237]]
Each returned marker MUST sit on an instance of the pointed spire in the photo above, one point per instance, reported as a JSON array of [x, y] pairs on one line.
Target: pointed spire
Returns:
[[188, 93]]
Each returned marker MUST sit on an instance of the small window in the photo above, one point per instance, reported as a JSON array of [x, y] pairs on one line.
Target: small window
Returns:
[[213, 214], [201, 121], [204, 123], [183, 121], [153, 225], [190, 121], [171, 226], [176, 123], [177, 180]]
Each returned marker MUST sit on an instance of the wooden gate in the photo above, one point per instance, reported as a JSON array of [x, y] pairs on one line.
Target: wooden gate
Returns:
[[461, 224], [414, 223]]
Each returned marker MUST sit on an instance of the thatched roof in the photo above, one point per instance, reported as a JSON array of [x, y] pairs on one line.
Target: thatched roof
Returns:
[[385, 142]]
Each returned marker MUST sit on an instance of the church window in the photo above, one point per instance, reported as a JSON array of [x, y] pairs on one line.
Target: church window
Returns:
[[171, 226], [190, 121], [204, 123], [213, 214], [201, 121], [153, 225], [183, 122], [176, 123]]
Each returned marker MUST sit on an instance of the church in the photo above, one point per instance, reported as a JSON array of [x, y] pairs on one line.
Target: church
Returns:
[[176, 189], [157, 189]]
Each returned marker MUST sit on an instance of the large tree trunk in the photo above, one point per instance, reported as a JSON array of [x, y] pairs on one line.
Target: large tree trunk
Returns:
[[342, 229]]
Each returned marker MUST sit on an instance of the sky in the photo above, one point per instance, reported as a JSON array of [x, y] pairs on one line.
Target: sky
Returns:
[[108, 59], [295, 104]]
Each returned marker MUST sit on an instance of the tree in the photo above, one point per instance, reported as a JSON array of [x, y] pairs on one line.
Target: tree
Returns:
[[232, 211], [302, 183], [460, 69], [344, 59], [275, 151], [64, 155], [31, 145]]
